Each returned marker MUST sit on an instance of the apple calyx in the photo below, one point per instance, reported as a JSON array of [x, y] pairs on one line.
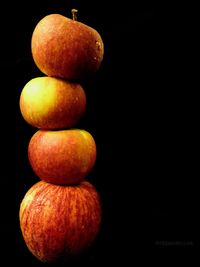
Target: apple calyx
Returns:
[[74, 13]]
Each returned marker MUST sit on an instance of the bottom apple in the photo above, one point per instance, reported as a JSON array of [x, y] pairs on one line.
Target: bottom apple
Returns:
[[57, 221]]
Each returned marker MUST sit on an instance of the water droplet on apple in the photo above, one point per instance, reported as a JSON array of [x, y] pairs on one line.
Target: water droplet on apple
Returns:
[[98, 45]]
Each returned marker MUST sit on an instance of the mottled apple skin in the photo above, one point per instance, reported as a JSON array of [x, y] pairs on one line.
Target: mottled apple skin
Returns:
[[65, 48], [60, 221], [62, 157], [51, 103]]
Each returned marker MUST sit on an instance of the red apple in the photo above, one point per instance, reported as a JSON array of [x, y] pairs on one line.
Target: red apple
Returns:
[[66, 48], [62, 157], [51, 103], [60, 221]]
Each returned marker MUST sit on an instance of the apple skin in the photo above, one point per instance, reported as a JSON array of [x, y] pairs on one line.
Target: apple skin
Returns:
[[51, 103], [66, 48], [62, 157], [58, 222]]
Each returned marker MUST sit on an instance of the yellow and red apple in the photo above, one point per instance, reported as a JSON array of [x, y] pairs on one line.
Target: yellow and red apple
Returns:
[[51, 103], [60, 221], [66, 48], [62, 157]]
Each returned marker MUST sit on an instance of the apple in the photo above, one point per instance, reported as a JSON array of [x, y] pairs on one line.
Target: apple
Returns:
[[66, 48], [58, 222], [63, 156], [52, 103]]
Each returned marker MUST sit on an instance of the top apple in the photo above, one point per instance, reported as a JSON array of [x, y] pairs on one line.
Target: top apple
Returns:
[[66, 48]]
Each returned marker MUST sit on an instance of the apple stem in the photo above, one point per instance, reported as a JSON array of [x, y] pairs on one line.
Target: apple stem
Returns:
[[74, 13]]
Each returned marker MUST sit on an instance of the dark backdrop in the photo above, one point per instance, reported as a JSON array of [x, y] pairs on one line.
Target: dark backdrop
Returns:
[[142, 112]]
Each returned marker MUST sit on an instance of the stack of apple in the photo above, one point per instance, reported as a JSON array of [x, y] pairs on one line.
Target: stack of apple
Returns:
[[60, 215]]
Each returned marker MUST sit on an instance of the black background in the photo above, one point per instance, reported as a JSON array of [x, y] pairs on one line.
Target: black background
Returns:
[[142, 112]]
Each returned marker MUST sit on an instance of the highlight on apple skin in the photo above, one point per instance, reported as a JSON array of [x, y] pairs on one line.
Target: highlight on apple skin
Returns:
[[66, 48], [60, 221], [62, 157], [52, 103]]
